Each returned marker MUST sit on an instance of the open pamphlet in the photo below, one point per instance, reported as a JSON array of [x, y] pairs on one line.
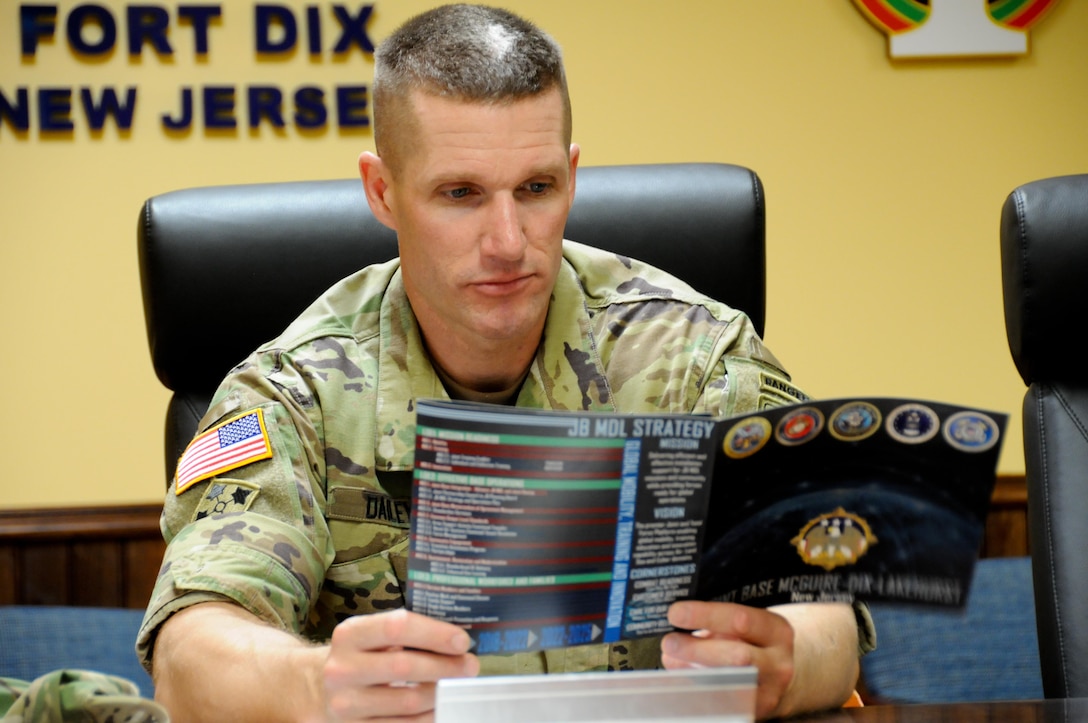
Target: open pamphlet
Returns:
[[536, 529]]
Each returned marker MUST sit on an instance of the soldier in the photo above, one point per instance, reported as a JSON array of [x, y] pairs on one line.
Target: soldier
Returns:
[[281, 594]]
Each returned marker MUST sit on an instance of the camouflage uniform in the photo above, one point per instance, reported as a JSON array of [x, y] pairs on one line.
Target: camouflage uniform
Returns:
[[319, 531], [76, 695]]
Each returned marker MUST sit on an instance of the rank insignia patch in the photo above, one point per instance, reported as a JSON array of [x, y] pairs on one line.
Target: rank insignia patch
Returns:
[[230, 445], [835, 539], [746, 437], [224, 497]]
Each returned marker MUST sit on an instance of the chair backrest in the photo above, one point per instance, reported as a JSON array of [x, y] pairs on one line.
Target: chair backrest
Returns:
[[1044, 262], [224, 269], [987, 651]]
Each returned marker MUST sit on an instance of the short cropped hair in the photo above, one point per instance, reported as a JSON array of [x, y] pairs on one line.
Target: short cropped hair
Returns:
[[468, 53]]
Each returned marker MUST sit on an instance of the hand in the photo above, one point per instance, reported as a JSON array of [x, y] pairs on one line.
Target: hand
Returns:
[[727, 634], [385, 665]]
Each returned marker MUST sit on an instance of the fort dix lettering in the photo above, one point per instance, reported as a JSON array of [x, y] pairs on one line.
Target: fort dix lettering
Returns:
[[96, 36]]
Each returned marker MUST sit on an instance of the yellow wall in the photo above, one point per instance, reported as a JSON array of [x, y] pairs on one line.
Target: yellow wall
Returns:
[[884, 182]]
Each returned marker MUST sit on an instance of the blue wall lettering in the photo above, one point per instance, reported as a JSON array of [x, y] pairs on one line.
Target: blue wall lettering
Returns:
[[264, 105], [219, 106], [353, 29], [185, 118], [96, 15], [200, 17], [55, 109], [310, 107], [276, 29], [146, 25], [268, 16], [108, 106], [313, 26], [265, 102], [18, 115], [36, 21], [95, 32], [351, 102]]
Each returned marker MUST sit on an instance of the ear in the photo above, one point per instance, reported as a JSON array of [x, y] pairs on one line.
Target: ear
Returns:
[[376, 185], [575, 152]]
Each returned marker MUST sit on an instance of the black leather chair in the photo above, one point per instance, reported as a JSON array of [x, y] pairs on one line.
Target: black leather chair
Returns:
[[224, 269], [1044, 263]]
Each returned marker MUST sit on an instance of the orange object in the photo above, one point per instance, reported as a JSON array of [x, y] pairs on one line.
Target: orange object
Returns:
[[854, 701]]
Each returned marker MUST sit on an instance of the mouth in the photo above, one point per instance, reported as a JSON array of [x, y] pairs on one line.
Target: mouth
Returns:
[[502, 286]]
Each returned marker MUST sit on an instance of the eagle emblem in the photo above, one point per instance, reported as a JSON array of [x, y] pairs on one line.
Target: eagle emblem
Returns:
[[834, 539]]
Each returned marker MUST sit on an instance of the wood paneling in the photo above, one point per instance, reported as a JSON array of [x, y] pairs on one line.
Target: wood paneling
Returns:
[[110, 556], [1007, 524], [95, 556], [141, 559]]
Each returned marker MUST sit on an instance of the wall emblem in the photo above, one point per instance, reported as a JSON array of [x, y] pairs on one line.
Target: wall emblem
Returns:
[[948, 28]]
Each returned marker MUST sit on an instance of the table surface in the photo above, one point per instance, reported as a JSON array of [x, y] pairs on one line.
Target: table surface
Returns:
[[1032, 711]]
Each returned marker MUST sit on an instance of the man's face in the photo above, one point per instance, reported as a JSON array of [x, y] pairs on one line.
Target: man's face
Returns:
[[479, 201]]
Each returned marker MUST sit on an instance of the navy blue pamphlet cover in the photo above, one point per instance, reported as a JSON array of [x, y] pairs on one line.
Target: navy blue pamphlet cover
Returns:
[[536, 529]]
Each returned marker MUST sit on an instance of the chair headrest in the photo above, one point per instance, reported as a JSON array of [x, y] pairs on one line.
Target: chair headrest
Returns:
[[1044, 268], [224, 269]]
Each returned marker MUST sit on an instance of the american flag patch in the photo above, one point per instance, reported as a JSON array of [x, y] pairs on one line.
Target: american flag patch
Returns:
[[232, 444]]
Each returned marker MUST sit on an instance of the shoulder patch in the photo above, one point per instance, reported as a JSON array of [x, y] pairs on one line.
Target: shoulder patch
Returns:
[[776, 390], [224, 497], [232, 444]]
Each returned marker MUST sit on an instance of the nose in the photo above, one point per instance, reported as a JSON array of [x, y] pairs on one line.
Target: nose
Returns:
[[504, 238]]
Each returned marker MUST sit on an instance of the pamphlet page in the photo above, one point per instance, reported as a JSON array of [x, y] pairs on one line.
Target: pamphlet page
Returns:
[[536, 529]]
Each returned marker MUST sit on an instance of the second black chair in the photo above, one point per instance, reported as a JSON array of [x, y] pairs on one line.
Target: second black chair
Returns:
[[1044, 261]]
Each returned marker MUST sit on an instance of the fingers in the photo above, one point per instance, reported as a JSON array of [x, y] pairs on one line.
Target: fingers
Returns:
[[728, 620], [726, 634], [401, 703], [404, 629], [395, 666], [683, 650], [348, 698], [385, 665]]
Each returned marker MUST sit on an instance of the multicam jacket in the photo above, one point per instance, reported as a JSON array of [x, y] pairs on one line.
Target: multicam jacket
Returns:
[[313, 527], [76, 695]]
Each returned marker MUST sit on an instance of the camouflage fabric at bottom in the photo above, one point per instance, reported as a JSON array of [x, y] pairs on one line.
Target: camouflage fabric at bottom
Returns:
[[76, 695]]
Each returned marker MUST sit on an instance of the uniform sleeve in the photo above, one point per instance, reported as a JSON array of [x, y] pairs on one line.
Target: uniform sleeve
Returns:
[[247, 525], [744, 376]]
